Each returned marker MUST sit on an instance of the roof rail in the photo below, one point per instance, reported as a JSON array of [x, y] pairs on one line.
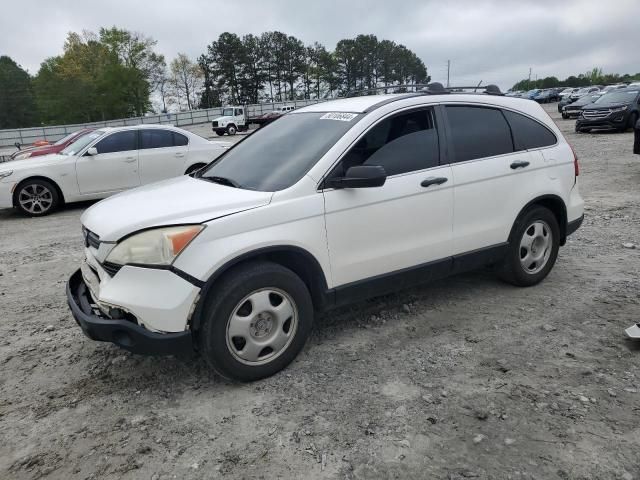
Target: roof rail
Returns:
[[355, 93]]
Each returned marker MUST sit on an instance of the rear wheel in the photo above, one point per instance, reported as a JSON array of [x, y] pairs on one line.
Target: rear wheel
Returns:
[[533, 247], [256, 321], [36, 198]]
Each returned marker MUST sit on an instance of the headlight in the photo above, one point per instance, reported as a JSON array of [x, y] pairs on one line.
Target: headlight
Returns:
[[159, 246], [22, 156], [6, 174], [619, 109]]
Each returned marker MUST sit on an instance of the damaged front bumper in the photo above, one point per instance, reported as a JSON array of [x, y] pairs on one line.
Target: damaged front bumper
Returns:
[[123, 332]]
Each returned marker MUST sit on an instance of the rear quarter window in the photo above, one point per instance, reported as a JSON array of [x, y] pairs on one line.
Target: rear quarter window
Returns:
[[528, 133]]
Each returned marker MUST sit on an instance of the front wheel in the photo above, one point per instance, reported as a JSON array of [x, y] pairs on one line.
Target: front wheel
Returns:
[[256, 320], [36, 198], [633, 118], [231, 130], [533, 247]]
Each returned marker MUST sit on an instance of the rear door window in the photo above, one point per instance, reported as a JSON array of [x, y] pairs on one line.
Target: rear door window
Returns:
[[478, 132], [153, 138], [528, 133], [180, 140]]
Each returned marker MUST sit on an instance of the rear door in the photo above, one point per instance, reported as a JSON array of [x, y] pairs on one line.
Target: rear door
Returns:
[[114, 168], [493, 178], [162, 154]]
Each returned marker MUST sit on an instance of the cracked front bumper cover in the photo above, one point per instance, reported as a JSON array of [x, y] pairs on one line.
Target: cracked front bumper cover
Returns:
[[124, 333]]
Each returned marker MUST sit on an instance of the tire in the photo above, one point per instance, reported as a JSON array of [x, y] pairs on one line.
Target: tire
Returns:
[[231, 129], [219, 133], [36, 198], [232, 323], [565, 116], [194, 168], [633, 118], [533, 247]]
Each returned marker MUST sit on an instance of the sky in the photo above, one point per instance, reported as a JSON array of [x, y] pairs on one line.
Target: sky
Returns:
[[491, 41]]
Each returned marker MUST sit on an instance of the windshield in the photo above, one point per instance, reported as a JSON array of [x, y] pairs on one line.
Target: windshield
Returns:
[[82, 142], [227, 112], [618, 96], [586, 100], [65, 139], [278, 155]]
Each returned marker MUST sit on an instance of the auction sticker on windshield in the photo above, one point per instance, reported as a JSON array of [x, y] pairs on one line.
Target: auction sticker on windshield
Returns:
[[341, 116]]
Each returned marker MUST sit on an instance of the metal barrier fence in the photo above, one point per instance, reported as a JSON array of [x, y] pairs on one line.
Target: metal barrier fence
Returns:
[[27, 136]]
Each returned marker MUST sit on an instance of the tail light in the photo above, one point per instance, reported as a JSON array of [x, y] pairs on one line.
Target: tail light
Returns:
[[576, 166]]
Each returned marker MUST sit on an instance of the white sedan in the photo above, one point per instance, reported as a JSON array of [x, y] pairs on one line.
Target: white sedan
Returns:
[[101, 163]]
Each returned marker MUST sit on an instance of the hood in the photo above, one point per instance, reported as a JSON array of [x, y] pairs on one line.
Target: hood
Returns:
[[605, 106], [30, 162], [176, 201]]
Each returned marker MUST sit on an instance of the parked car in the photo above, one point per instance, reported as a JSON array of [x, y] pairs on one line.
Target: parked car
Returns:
[[37, 151], [567, 92], [616, 110], [573, 110], [609, 88], [272, 116], [282, 225], [584, 91], [531, 94], [564, 101], [103, 162], [546, 96]]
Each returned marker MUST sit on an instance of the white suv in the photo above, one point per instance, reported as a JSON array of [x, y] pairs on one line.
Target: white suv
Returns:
[[342, 201]]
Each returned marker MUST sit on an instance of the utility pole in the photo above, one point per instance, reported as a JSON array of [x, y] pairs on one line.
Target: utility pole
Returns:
[[529, 81], [448, 70]]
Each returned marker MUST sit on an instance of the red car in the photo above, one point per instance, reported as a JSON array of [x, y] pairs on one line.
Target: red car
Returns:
[[37, 150]]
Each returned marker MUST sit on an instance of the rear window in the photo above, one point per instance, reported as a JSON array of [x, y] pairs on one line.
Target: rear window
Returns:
[[527, 133], [478, 132]]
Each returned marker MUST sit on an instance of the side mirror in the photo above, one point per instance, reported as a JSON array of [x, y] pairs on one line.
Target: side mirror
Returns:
[[362, 176], [92, 151]]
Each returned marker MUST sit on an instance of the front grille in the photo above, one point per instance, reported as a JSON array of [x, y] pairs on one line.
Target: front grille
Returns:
[[214, 124], [111, 268], [595, 114], [90, 239]]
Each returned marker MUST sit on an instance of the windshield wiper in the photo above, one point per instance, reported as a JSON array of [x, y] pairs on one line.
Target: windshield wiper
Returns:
[[222, 181]]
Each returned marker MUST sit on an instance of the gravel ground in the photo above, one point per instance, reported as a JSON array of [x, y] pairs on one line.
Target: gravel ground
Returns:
[[465, 378]]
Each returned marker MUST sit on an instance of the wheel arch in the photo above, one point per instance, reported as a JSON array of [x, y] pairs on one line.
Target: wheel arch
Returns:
[[37, 177], [296, 259], [556, 205]]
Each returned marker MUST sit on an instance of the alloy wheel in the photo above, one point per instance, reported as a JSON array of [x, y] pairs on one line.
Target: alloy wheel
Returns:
[[35, 199]]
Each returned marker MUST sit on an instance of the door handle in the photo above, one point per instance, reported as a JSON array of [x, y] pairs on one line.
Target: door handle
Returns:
[[427, 182], [519, 164], [130, 159], [179, 154]]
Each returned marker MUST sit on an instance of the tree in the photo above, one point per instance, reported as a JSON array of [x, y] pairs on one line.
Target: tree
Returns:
[[187, 80], [17, 101]]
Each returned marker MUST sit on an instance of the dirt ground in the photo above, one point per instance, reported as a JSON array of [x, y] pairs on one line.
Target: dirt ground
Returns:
[[465, 378]]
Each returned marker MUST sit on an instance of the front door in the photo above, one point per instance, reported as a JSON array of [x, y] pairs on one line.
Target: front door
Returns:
[[406, 223], [114, 168]]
